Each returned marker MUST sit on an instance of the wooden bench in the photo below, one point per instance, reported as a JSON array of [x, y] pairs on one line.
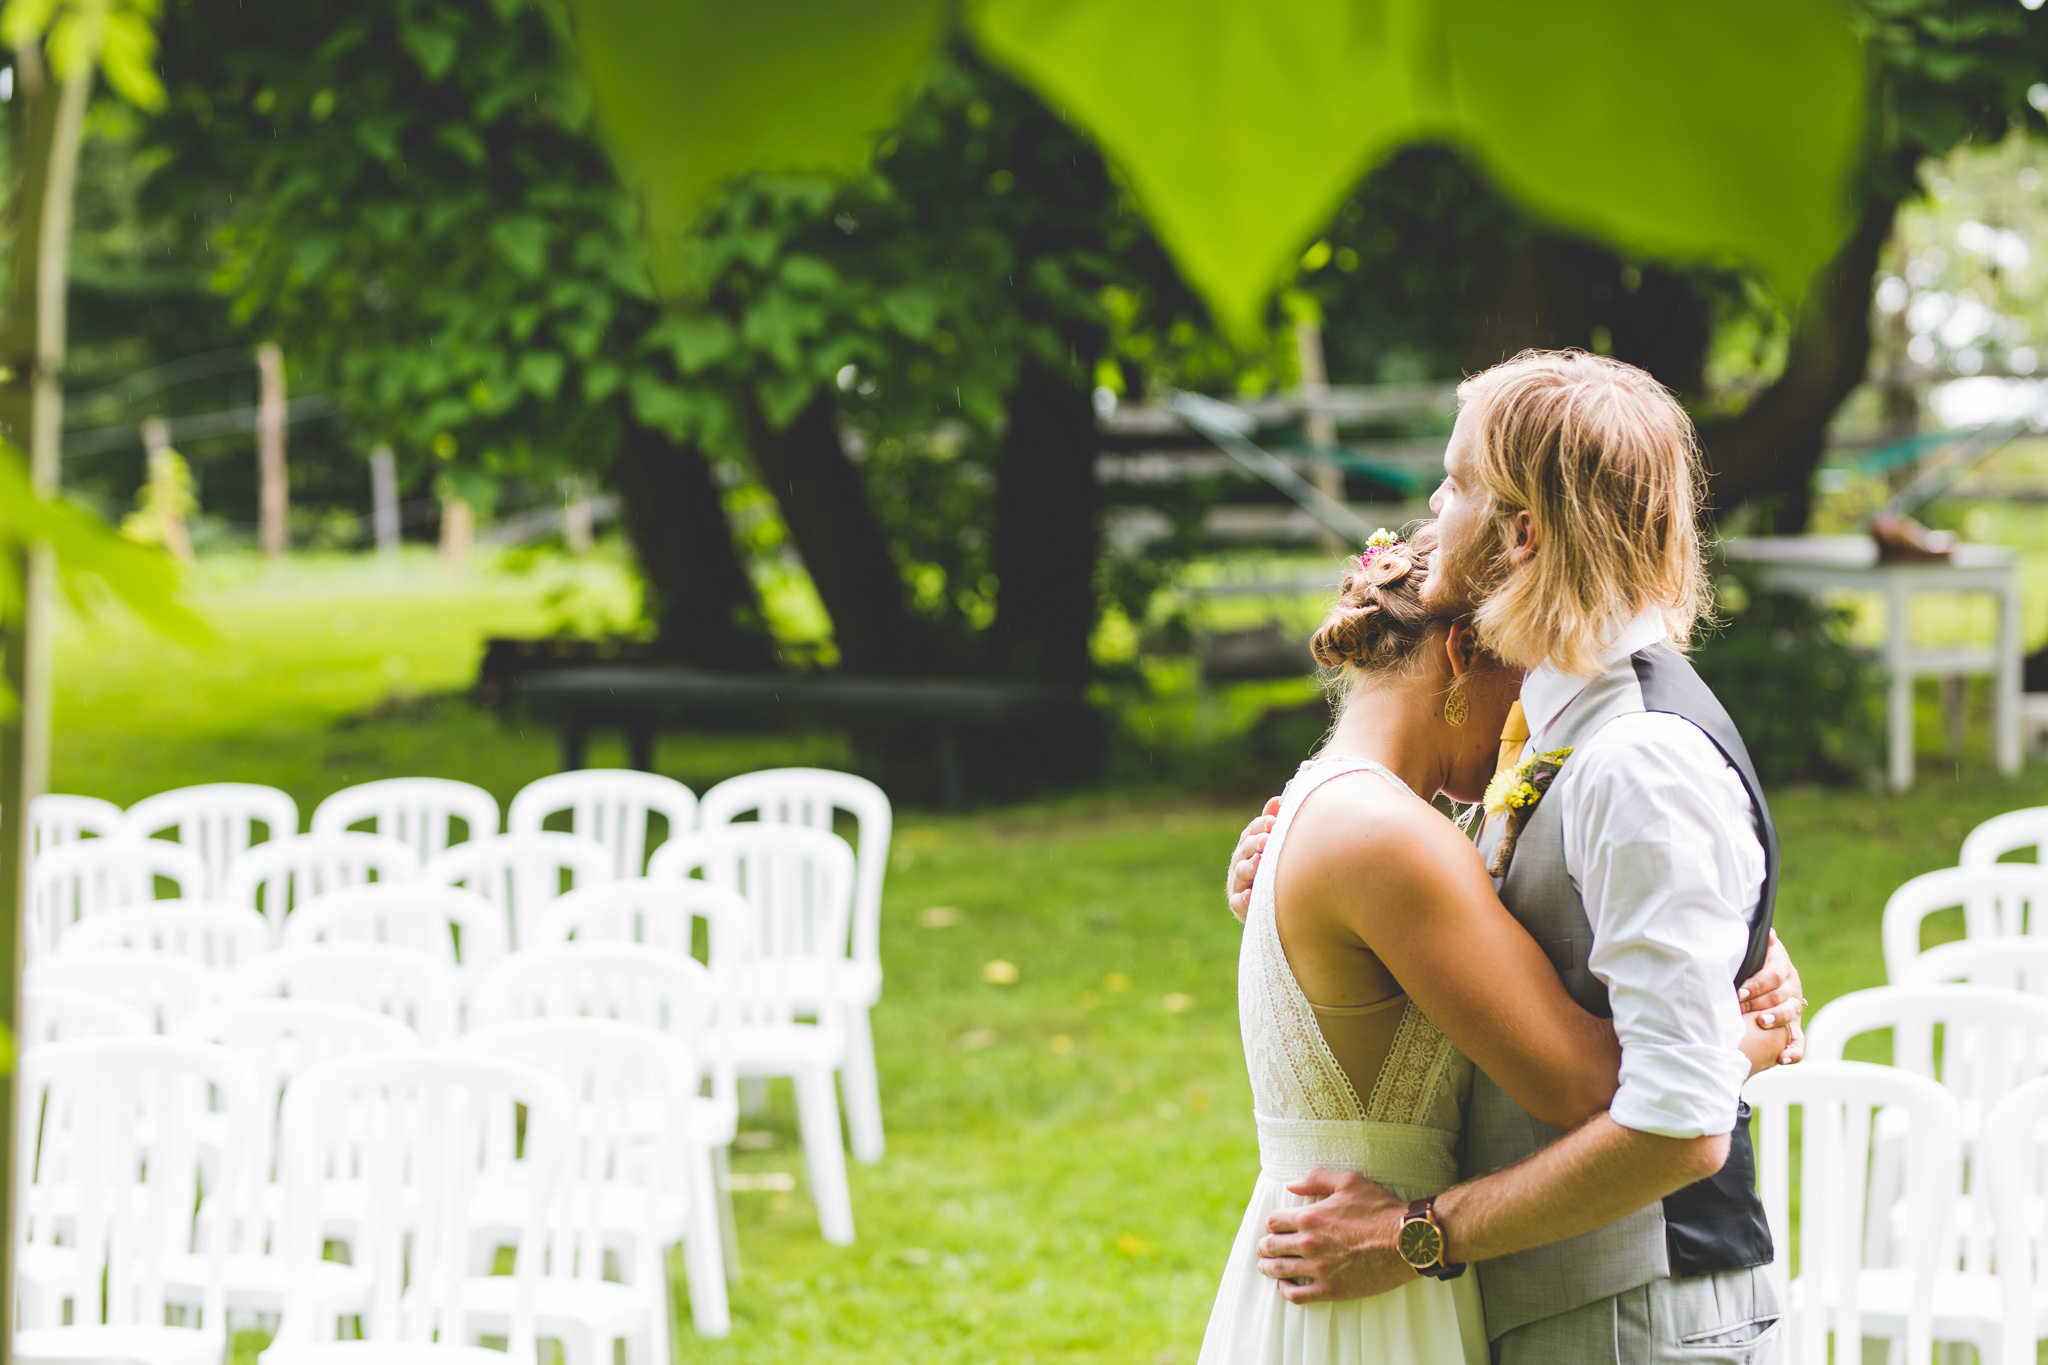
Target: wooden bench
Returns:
[[641, 699]]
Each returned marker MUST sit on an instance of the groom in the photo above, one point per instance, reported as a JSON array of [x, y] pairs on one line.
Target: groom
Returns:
[[1647, 871]]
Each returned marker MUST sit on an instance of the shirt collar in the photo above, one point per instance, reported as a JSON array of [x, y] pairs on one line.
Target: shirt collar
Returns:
[[1547, 690]]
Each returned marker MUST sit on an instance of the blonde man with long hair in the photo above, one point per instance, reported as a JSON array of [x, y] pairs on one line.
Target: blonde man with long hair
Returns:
[[1628, 837]]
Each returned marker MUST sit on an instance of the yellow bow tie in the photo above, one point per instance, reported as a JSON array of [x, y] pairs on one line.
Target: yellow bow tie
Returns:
[[1513, 735]]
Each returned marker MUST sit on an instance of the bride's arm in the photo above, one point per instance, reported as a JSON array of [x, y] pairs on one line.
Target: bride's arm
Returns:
[[1412, 888]]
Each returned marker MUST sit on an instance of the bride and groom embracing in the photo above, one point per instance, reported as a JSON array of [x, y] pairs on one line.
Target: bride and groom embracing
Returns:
[[1525, 1057]]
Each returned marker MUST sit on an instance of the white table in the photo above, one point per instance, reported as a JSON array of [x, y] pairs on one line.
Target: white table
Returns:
[[1812, 564]]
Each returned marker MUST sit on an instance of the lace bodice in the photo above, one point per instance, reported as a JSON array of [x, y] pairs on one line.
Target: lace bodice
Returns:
[[1424, 1081]]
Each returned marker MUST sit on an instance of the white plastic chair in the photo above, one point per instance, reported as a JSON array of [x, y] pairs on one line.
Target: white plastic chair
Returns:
[[54, 819], [2005, 900], [410, 1131], [216, 820], [2016, 1175], [2012, 832], [626, 1183], [109, 1175], [409, 914], [164, 987], [521, 873], [279, 1039], [610, 805], [406, 984], [419, 812], [62, 1014], [216, 936], [274, 877], [660, 914], [2017, 964], [1840, 1288], [810, 797], [73, 881], [662, 989], [798, 883]]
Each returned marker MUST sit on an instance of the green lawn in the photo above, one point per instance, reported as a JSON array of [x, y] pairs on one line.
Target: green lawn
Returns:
[[1067, 1154]]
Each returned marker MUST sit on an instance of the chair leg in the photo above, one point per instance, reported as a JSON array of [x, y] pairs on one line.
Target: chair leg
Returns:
[[660, 1334], [863, 1089], [728, 1226], [704, 1254], [817, 1108]]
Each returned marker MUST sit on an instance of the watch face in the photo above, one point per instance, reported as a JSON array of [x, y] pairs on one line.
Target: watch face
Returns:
[[1420, 1243]]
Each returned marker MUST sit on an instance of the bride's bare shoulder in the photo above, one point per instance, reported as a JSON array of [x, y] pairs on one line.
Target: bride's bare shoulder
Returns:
[[1361, 824]]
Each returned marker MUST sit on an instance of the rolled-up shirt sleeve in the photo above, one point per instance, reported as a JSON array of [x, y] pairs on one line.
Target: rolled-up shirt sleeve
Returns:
[[1660, 839]]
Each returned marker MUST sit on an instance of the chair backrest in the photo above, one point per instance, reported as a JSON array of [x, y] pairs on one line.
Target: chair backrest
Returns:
[[73, 881], [798, 881], [808, 797], [164, 987], [660, 914], [411, 914], [215, 935], [1992, 1039], [276, 876], [279, 1038], [627, 1082], [54, 818], [60, 1014], [1997, 901], [419, 812], [2013, 832], [520, 873], [1840, 1103], [656, 988], [216, 820], [2016, 964], [410, 1131], [610, 805], [108, 1166], [415, 988], [2014, 1151]]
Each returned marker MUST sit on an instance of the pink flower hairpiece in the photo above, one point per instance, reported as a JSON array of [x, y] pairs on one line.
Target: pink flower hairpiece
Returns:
[[1378, 542]]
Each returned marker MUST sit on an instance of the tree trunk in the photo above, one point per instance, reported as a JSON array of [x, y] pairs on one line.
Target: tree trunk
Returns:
[[48, 120], [833, 523], [1772, 448], [1046, 533], [705, 604]]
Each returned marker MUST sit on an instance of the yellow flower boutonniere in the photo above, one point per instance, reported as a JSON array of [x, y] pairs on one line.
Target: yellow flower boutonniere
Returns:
[[1513, 793]]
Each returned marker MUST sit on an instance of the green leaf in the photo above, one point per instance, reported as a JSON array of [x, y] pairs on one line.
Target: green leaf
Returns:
[[914, 311], [540, 372], [1717, 132], [434, 50], [523, 242], [698, 339], [695, 92]]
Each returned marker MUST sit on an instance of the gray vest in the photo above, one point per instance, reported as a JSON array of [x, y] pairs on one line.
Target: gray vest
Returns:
[[1713, 1226]]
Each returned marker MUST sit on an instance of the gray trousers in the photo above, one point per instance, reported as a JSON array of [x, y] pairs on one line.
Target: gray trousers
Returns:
[[1725, 1319]]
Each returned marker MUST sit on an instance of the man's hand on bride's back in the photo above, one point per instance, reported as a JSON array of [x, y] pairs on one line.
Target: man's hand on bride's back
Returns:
[[1244, 861]]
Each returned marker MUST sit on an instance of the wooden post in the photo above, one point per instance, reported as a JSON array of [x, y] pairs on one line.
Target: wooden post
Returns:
[[458, 529], [47, 122], [384, 498], [578, 528], [273, 492], [1318, 425]]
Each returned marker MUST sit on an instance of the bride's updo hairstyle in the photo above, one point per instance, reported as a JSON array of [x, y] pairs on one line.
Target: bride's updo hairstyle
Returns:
[[1378, 624]]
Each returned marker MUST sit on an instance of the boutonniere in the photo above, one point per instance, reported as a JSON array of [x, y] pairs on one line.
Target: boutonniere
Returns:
[[1514, 793]]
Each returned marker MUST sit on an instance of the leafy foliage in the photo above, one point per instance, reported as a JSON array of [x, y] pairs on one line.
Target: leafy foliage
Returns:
[[116, 34]]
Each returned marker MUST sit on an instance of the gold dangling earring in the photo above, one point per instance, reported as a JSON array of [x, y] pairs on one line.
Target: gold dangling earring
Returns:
[[1457, 706]]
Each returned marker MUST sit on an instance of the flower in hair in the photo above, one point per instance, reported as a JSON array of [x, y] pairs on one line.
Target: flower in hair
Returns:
[[1377, 543]]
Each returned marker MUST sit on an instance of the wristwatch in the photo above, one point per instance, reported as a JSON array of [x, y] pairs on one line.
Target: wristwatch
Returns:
[[1421, 1242]]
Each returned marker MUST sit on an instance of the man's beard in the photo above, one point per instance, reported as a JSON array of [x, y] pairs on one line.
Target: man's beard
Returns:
[[1459, 582]]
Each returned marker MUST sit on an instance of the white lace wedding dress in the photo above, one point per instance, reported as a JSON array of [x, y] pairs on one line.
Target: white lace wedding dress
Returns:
[[1403, 1135]]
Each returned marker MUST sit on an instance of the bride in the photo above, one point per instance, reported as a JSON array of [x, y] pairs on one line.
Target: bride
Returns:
[[1379, 967]]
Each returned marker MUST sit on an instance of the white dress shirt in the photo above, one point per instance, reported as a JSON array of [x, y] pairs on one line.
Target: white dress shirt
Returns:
[[1660, 841]]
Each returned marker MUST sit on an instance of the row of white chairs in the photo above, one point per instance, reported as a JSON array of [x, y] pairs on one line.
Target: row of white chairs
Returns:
[[186, 1178], [784, 857]]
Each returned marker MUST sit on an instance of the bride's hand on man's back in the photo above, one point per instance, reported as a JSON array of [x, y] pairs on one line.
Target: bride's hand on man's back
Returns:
[[1244, 860]]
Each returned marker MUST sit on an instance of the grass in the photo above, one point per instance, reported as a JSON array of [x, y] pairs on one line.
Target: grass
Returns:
[[1068, 1154]]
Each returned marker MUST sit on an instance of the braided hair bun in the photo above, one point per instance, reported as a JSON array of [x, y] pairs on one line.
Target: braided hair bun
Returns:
[[1378, 622]]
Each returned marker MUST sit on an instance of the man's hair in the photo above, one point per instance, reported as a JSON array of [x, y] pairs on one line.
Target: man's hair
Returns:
[[1606, 459]]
